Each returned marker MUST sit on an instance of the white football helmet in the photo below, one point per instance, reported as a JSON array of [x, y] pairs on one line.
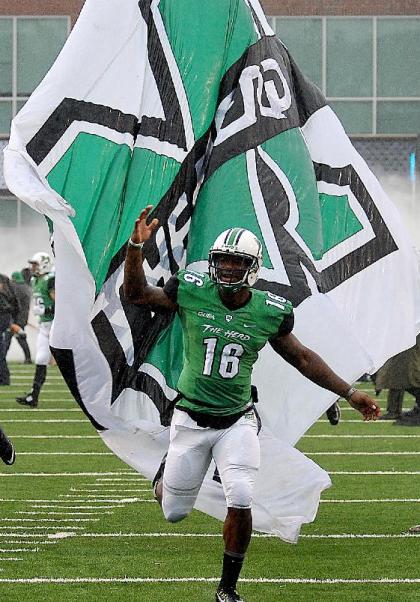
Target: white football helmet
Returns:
[[239, 243], [41, 263]]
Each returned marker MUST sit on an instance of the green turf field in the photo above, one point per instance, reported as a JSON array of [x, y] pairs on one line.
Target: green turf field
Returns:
[[78, 524]]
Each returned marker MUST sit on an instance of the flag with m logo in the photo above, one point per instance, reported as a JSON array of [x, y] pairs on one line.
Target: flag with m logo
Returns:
[[199, 110]]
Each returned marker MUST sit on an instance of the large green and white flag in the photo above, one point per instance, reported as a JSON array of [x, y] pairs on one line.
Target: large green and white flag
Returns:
[[198, 109]]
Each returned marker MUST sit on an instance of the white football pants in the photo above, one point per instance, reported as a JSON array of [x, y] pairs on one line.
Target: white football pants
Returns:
[[43, 353], [235, 450]]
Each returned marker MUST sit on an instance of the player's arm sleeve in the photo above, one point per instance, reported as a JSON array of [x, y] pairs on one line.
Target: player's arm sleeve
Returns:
[[171, 289], [287, 325]]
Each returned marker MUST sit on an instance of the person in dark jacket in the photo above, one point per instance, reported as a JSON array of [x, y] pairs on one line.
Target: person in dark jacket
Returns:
[[10, 317], [24, 293]]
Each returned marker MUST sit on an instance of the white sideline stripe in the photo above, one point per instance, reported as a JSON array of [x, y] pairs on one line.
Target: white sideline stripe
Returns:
[[68, 453], [373, 501], [361, 437], [37, 580], [58, 474], [385, 453], [10, 559], [375, 472]]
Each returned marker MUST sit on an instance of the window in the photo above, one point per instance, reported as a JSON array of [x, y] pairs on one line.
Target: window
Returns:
[[367, 67], [28, 48], [308, 51]]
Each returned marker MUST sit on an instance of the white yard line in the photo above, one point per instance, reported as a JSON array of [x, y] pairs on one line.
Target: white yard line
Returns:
[[254, 535], [49, 520], [58, 437], [375, 472], [358, 421], [41, 409], [9, 550], [380, 453], [373, 501], [43, 513], [86, 580], [61, 501], [45, 421], [139, 478], [99, 495], [60, 474], [52, 528], [66, 454], [361, 437], [57, 507]]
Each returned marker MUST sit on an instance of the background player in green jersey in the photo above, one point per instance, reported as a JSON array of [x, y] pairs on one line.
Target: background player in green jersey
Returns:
[[225, 323], [43, 290]]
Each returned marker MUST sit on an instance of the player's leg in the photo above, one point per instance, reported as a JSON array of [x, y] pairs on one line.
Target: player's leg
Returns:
[[43, 356], [188, 459], [237, 456]]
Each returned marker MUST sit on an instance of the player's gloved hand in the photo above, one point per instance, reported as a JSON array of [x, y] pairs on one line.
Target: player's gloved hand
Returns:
[[364, 404]]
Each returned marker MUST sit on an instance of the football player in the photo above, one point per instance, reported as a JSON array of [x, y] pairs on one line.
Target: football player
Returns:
[[43, 290], [225, 323]]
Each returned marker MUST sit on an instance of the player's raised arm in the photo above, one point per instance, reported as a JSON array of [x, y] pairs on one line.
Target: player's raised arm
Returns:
[[135, 286], [311, 365]]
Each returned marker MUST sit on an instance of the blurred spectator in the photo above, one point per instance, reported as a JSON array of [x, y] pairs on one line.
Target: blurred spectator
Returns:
[[399, 374], [7, 451], [24, 294], [10, 318]]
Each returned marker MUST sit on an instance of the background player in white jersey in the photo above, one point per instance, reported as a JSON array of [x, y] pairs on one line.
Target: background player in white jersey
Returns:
[[225, 323], [43, 290]]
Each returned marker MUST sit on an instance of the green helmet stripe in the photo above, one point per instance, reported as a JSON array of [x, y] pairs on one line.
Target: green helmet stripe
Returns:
[[234, 235]]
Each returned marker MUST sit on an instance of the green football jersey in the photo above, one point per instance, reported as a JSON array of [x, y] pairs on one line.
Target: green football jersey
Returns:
[[221, 345], [43, 304]]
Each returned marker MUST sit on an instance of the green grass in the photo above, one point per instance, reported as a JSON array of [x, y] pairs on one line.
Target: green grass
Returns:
[[84, 556]]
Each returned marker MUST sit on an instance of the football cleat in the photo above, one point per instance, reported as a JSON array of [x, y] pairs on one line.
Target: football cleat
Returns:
[[410, 418], [228, 595], [159, 475], [7, 451], [334, 413], [28, 400]]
